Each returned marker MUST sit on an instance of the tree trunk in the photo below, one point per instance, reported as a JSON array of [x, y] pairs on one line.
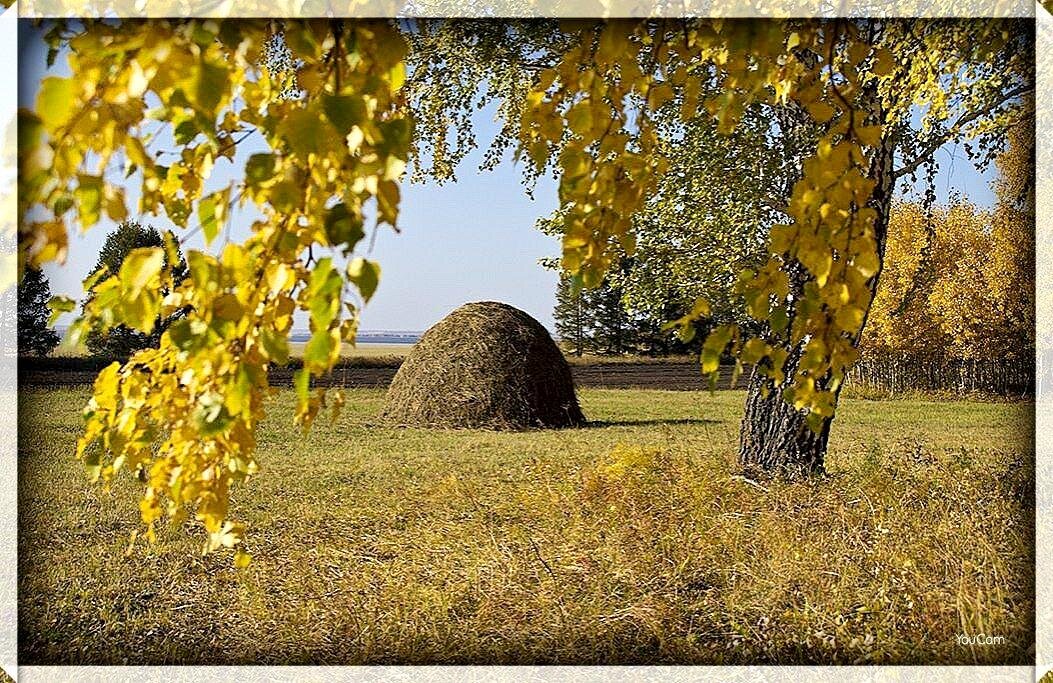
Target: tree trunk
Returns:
[[774, 436]]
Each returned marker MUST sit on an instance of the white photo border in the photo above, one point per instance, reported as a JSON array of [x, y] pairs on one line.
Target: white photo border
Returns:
[[509, 8]]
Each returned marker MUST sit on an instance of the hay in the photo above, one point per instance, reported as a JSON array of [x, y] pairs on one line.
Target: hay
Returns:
[[486, 365]]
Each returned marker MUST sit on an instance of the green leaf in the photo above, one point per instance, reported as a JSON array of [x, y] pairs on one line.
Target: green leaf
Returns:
[[55, 102], [140, 267], [714, 347], [140, 291], [185, 132], [301, 130], [227, 307], [286, 196], [30, 131], [58, 306], [260, 169], [388, 201], [344, 111], [274, 345], [211, 83], [181, 335], [302, 384], [140, 312], [323, 293], [202, 268], [366, 275], [211, 414], [212, 212], [88, 196], [318, 349], [396, 134], [343, 227]]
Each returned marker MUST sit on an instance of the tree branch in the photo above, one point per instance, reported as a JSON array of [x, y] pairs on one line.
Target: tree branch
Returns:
[[956, 129]]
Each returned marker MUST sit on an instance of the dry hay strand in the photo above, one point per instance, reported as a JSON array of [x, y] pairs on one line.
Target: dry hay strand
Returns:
[[486, 365]]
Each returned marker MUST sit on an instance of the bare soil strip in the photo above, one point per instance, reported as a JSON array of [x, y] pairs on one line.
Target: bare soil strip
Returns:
[[621, 375]]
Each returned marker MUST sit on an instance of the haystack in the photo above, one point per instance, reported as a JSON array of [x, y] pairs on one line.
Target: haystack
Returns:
[[486, 365]]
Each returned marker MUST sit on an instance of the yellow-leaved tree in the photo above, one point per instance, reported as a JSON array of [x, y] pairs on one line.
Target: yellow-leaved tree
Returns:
[[339, 128], [959, 280]]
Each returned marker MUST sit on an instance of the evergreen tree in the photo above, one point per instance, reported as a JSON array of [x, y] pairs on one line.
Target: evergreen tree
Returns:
[[594, 320], [570, 316], [610, 322], [34, 334]]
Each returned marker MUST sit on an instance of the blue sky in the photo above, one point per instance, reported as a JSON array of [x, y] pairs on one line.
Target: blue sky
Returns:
[[466, 241]]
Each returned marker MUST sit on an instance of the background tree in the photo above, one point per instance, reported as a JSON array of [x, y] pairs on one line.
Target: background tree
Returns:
[[569, 316], [601, 321], [593, 320], [809, 298], [121, 341], [34, 334], [707, 220], [959, 281]]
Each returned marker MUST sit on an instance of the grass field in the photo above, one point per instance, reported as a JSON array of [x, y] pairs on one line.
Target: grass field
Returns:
[[627, 541]]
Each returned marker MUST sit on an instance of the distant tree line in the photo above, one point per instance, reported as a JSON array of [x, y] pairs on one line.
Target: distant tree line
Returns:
[[955, 309], [596, 321]]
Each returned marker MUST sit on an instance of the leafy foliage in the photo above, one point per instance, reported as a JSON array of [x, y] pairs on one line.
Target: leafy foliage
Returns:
[[184, 415], [815, 288], [959, 281], [121, 341], [458, 68], [34, 334]]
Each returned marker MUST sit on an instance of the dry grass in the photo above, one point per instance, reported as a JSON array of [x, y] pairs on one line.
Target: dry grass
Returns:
[[375, 544]]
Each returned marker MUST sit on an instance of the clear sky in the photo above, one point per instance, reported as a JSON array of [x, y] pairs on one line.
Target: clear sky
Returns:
[[466, 241]]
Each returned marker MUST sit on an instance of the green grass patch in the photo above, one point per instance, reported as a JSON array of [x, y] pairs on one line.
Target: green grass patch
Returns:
[[627, 541]]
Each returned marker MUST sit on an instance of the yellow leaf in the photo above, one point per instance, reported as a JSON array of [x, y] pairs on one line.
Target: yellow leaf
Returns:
[[140, 268], [820, 111], [89, 195]]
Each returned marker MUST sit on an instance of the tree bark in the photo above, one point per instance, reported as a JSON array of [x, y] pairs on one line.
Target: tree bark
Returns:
[[774, 436]]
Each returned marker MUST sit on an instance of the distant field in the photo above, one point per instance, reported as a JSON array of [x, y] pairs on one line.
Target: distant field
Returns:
[[67, 350], [360, 350], [626, 541]]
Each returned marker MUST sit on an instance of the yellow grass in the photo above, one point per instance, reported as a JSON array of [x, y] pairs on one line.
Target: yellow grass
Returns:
[[627, 541]]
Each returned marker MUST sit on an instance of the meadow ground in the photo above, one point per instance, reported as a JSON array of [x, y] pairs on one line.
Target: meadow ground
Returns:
[[627, 541]]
